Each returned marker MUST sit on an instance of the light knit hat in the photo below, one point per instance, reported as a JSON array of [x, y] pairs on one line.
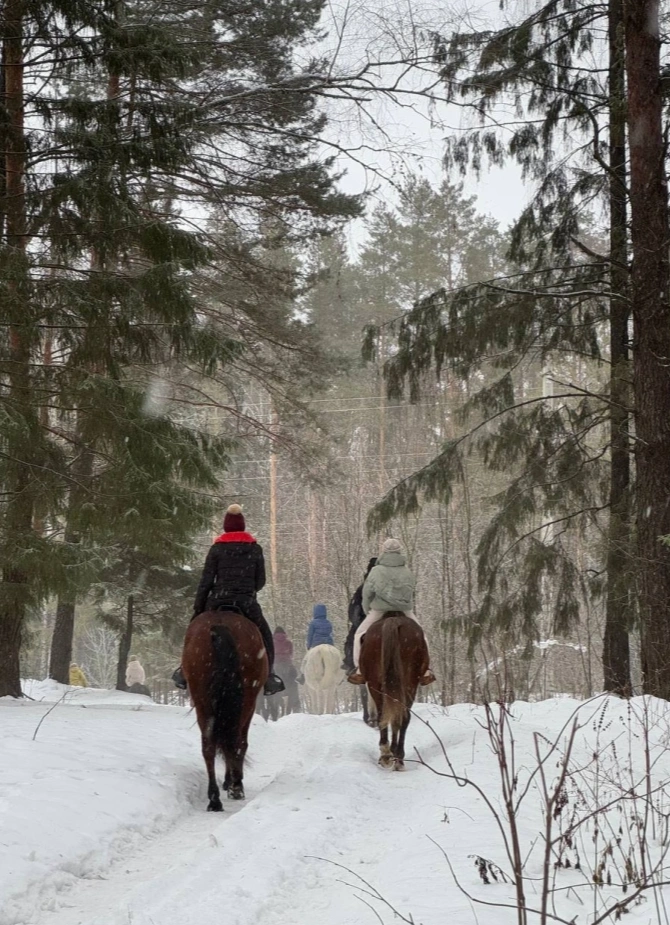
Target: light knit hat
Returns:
[[391, 545]]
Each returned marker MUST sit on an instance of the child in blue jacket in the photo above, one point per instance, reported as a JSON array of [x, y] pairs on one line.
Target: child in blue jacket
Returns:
[[320, 630]]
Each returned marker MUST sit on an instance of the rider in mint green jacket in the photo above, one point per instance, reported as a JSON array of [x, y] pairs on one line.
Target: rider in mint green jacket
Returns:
[[389, 586]]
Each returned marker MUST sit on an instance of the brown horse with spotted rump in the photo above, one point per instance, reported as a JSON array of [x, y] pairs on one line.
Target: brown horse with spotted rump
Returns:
[[225, 665], [394, 659]]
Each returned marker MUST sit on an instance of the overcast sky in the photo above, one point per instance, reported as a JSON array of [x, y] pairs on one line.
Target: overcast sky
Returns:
[[391, 139]]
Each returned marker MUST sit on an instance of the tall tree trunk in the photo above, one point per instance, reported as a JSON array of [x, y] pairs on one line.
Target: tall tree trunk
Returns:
[[382, 416], [18, 518], [61, 643], [274, 571], [651, 337], [3, 160], [616, 650], [124, 645]]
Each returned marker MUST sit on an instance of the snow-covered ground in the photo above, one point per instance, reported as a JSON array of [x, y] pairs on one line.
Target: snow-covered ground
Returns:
[[103, 822]]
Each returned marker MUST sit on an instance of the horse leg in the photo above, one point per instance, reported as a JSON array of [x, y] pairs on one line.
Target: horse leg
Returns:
[[236, 789], [364, 702], [370, 708], [385, 754], [209, 754], [399, 763]]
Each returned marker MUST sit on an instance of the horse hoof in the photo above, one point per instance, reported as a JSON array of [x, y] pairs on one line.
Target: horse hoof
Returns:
[[372, 723], [398, 765], [215, 806], [386, 761], [236, 793]]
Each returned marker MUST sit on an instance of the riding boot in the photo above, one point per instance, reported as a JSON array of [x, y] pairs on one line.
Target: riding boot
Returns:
[[179, 680]]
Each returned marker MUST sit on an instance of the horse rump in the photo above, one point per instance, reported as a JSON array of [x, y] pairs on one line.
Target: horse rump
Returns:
[[226, 692]]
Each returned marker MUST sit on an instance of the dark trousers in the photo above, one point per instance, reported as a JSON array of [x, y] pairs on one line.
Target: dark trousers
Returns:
[[349, 645], [251, 609]]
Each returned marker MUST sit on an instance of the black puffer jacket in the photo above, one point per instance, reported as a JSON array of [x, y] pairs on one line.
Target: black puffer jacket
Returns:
[[356, 614], [234, 570]]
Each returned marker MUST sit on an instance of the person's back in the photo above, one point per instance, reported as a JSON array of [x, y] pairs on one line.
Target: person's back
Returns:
[[356, 615], [355, 609], [390, 584], [234, 569], [283, 646], [233, 574], [77, 677], [135, 673], [320, 632], [388, 588]]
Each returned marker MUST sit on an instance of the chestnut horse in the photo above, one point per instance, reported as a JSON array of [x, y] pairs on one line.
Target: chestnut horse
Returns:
[[394, 657], [225, 666]]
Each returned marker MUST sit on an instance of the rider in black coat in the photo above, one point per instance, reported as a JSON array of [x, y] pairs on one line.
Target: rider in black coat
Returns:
[[356, 615], [234, 572]]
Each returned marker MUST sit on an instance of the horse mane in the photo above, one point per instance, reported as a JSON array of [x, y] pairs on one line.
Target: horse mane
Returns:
[[226, 690], [394, 684]]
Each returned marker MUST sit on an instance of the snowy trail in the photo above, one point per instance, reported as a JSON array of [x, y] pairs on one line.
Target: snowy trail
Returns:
[[258, 860], [89, 896], [120, 833], [165, 872], [103, 821]]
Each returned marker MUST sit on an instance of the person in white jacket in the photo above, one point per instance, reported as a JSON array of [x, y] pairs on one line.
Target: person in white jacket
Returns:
[[134, 672]]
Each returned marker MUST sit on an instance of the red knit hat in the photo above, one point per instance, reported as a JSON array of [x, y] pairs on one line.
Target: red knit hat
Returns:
[[233, 522]]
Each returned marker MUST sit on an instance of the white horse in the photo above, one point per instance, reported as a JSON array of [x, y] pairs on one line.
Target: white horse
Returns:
[[322, 669]]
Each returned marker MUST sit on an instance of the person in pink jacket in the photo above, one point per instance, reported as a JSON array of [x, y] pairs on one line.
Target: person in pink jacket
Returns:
[[283, 646]]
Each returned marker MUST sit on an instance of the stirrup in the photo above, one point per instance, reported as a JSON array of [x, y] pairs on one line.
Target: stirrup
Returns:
[[273, 685], [178, 679]]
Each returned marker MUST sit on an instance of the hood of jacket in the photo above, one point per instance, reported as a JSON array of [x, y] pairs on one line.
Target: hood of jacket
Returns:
[[319, 612], [392, 559]]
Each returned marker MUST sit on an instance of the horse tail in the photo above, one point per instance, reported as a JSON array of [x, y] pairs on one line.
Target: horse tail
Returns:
[[394, 708], [226, 692]]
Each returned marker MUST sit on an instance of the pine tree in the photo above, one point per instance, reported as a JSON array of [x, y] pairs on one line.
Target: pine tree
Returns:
[[148, 112], [551, 309]]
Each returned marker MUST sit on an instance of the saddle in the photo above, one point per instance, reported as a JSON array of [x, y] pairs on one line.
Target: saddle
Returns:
[[388, 613], [232, 608]]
